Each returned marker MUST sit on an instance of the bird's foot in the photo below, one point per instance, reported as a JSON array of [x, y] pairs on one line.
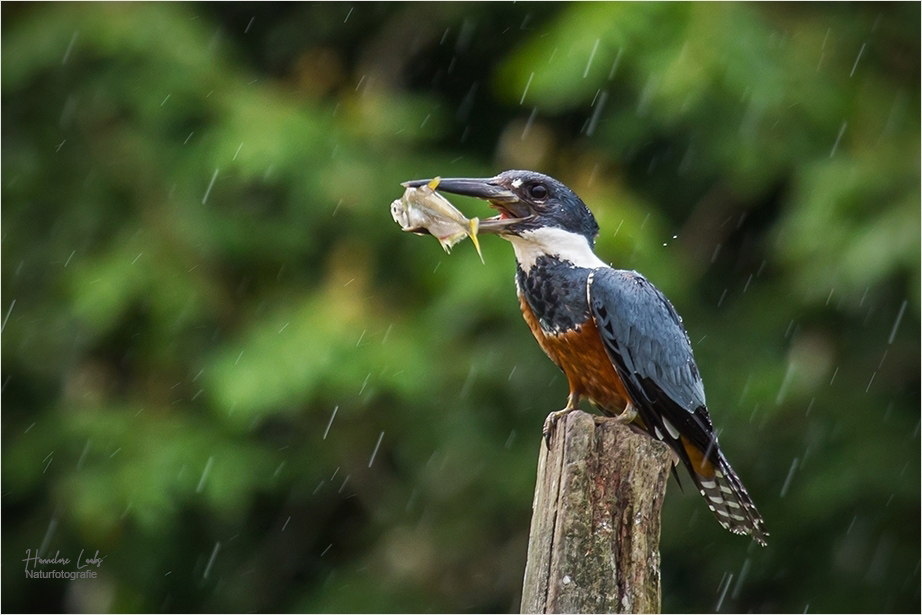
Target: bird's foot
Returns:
[[627, 415], [550, 423]]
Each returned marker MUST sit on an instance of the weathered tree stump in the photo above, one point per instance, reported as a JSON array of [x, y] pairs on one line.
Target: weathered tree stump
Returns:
[[594, 541]]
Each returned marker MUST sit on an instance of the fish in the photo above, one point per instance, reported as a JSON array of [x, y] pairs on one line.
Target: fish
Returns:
[[424, 211]]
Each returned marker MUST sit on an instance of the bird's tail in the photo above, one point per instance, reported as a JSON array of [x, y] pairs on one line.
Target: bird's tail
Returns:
[[724, 491]]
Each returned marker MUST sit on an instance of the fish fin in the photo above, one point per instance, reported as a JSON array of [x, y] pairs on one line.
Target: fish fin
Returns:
[[417, 230], [474, 224]]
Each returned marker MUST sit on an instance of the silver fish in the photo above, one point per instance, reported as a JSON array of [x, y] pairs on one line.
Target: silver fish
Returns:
[[424, 211]]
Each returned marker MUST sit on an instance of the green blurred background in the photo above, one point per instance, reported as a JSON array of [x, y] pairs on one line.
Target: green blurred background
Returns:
[[226, 368]]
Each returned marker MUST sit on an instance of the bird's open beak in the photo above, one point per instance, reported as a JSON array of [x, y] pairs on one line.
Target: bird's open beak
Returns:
[[510, 207]]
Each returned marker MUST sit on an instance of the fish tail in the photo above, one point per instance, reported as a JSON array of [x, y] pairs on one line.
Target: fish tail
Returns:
[[474, 226]]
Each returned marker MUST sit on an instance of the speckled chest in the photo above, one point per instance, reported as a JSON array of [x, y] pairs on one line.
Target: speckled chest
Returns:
[[555, 291], [554, 302]]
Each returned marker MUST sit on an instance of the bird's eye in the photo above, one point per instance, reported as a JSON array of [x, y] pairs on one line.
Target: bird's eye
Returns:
[[537, 191]]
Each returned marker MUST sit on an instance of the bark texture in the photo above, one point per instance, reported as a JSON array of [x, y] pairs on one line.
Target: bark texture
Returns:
[[594, 540]]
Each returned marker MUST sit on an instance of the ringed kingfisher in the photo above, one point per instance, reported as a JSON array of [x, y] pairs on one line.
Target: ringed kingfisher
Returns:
[[615, 336]]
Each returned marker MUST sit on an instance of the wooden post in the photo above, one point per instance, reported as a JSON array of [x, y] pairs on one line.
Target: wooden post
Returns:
[[594, 541]]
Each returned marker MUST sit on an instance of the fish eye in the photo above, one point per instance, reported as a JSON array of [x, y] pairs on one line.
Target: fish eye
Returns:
[[537, 192]]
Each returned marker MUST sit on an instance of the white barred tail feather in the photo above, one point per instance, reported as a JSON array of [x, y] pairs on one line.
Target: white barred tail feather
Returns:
[[728, 499]]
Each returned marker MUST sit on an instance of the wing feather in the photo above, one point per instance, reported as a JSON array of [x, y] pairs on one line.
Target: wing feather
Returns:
[[645, 340]]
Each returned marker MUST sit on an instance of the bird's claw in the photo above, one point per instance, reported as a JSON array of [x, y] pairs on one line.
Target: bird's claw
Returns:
[[550, 424], [627, 415]]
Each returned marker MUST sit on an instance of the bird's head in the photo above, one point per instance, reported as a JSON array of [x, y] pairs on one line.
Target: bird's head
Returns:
[[528, 202]]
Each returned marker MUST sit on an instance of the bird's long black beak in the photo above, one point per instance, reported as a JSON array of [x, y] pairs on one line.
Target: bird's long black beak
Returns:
[[501, 198], [486, 189]]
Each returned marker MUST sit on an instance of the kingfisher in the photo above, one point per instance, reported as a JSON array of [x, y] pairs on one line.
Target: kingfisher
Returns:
[[615, 336]]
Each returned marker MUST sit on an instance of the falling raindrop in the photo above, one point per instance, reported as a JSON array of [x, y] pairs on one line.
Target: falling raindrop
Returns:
[[529, 122], [723, 593], [739, 582], [787, 481], [646, 95], [333, 416], [210, 185], [527, 85], [850, 525], [746, 286], [896, 324], [214, 554], [835, 146], [387, 333], [614, 66], [855, 65], [465, 35], [52, 526], [411, 500], [205, 473], [70, 47], [468, 381], [467, 103], [594, 120], [375, 452], [595, 48]]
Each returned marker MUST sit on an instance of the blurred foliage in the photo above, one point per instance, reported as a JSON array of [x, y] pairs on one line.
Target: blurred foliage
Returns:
[[227, 370]]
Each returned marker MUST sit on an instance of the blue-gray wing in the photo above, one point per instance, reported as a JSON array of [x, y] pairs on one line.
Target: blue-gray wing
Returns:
[[645, 340]]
